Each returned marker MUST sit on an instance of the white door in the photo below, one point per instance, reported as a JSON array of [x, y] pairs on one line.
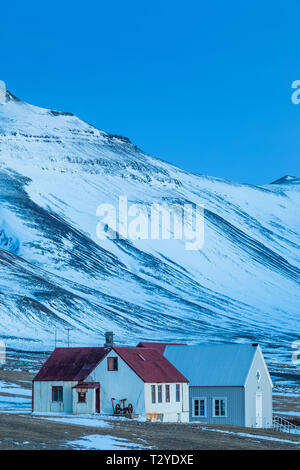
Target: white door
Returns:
[[259, 410]]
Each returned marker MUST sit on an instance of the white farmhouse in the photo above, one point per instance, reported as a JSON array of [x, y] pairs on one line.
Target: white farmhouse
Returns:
[[109, 379]]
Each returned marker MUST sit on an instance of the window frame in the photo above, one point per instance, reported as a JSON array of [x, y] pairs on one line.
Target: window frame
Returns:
[[114, 360], [258, 375], [81, 393], [205, 407], [177, 393], [167, 393], [58, 389], [153, 394], [214, 407], [159, 393]]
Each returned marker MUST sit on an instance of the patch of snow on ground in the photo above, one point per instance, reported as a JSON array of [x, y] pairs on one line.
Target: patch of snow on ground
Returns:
[[252, 436], [14, 402], [85, 419], [99, 442], [81, 421], [287, 413], [280, 394], [14, 389]]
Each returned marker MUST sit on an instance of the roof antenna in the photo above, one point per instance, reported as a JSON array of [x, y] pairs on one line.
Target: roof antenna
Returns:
[[68, 330], [55, 336]]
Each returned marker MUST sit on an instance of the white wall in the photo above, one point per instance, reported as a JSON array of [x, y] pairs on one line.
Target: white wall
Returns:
[[252, 387], [43, 397], [84, 408], [172, 411], [123, 383]]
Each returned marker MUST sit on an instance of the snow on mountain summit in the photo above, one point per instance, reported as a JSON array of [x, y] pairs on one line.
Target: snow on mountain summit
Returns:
[[288, 179], [56, 169]]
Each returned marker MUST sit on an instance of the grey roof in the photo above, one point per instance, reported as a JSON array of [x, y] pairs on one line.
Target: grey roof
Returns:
[[211, 365]]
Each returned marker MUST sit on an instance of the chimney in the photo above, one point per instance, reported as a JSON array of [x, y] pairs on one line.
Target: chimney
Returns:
[[109, 339]]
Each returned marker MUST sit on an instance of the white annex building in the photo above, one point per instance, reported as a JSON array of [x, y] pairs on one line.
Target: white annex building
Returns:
[[228, 383]]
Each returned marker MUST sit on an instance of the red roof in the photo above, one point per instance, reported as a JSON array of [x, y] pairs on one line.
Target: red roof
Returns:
[[160, 347], [75, 364], [150, 365], [87, 385], [71, 364]]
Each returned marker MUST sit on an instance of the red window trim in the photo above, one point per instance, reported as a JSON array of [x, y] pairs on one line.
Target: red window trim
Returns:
[[56, 388], [79, 394]]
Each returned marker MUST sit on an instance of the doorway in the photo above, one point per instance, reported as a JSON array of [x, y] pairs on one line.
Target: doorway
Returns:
[[259, 417], [97, 404]]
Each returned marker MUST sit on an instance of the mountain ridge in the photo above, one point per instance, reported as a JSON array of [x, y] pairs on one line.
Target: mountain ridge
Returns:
[[55, 273]]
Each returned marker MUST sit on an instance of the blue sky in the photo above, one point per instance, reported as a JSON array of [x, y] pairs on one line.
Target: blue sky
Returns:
[[203, 85]]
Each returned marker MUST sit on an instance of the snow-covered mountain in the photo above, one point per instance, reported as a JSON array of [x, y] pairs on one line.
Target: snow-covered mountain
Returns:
[[55, 170]]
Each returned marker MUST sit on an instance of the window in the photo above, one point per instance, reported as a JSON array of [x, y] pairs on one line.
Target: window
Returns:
[[199, 407], [81, 397], [159, 393], [153, 395], [258, 376], [219, 407], [177, 392], [57, 394], [168, 393], [112, 363]]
